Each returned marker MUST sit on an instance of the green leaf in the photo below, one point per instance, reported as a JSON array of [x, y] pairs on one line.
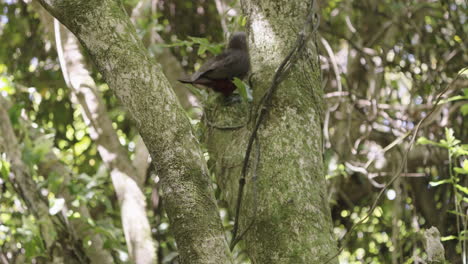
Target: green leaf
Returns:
[[90, 222], [244, 90], [215, 49], [201, 50], [243, 21], [54, 182], [34, 247], [443, 143], [82, 145], [32, 242], [4, 169], [451, 140], [75, 203], [451, 99], [456, 213], [199, 40], [460, 150], [14, 112], [464, 109], [462, 188], [463, 169], [35, 152], [437, 183], [104, 231], [56, 205], [447, 238], [5, 86], [425, 141], [204, 45]]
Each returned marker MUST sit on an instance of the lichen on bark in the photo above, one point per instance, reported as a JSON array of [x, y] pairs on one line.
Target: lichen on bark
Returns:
[[286, 202], [108, 36]]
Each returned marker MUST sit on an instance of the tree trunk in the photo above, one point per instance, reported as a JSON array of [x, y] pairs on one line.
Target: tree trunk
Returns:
[[284, 200], [107, 34], [124, 176]]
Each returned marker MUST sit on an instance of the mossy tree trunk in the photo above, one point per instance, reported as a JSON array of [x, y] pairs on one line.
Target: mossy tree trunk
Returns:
[[285, 196], [287, 203], [105, 31]]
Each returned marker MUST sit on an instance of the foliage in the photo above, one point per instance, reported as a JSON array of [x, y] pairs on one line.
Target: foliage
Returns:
[[244, 90], [203, 45], [383, 62], [455, 150]]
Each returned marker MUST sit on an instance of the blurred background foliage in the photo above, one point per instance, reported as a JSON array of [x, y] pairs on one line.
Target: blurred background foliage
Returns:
[[383, 63]]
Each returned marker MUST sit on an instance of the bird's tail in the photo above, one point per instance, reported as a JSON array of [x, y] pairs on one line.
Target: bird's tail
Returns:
[[185, 80]]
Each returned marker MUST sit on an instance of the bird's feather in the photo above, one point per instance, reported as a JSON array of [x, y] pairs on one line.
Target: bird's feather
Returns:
[[218, 72]]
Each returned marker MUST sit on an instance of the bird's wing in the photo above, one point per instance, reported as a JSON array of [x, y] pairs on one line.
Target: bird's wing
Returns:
[[222, 69], [209, 65], [235, 64], [219, 67]]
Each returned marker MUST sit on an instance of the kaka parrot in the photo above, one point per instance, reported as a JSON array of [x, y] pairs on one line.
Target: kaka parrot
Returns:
[[217, 73]]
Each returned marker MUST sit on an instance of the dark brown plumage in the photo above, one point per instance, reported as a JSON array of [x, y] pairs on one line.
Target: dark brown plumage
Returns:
[[217, 73]]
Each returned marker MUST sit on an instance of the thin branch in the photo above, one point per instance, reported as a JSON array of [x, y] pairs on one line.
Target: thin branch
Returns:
[[398, 174]]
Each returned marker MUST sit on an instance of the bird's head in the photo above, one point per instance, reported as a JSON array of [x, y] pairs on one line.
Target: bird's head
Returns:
[[238, 41]]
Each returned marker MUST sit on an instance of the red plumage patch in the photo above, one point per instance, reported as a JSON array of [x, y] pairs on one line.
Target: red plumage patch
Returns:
[[224, 86]]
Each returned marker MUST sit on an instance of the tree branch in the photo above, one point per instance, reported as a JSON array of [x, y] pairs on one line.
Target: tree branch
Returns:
[[108, 35]]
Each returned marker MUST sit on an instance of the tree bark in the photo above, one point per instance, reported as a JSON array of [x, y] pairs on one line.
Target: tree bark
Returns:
[[106, 33], [285, 200], [126, 180], [172, 68], [85, 93]]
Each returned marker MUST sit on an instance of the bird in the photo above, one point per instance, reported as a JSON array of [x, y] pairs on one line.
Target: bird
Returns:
[[218, 72]]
